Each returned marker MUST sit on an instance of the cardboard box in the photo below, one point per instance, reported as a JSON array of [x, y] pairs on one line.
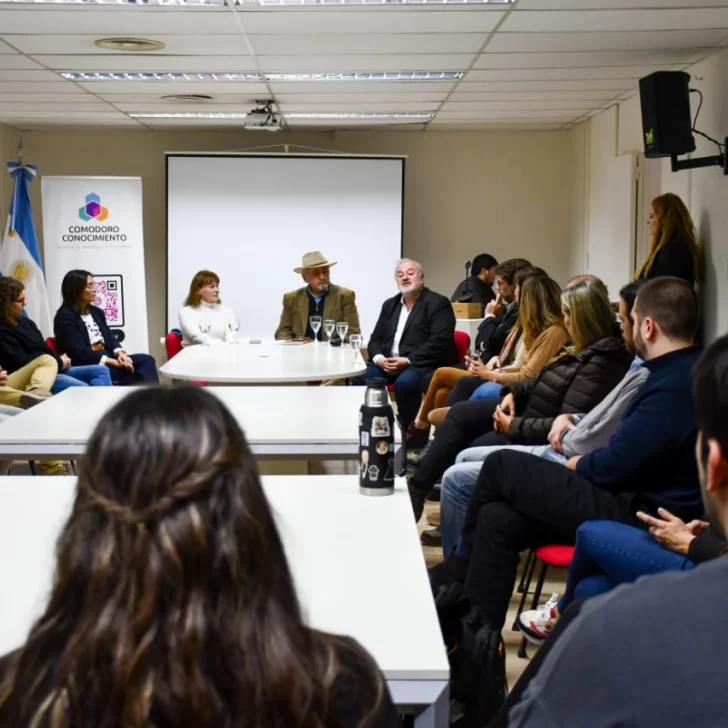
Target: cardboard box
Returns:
[[467, 310]]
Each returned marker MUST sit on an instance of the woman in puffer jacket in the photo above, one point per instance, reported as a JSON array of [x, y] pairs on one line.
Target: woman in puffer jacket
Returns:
[[574, 381]]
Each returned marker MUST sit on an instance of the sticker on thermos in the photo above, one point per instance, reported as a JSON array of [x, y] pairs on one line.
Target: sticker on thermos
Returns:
[[365, 439], [382, 447], [380, 427]]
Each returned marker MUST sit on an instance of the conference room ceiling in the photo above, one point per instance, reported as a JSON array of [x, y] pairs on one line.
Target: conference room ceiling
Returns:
[[528, 64]]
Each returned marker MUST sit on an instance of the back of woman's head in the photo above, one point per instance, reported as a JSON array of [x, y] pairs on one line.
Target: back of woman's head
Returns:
[[539, 307], [673, 223], [10, 289], [201, 279], [592, 318], [173, 602], [72, 287]]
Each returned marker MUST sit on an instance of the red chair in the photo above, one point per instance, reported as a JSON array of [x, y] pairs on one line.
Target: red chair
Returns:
[[173, 345], [462, 344], [552, 555], [51, 343]]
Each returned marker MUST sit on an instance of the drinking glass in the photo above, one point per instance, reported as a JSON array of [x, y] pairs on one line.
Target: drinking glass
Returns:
[[474, 355], [329, 328], [205, 327], [234, 325], [315, 322], [355, 341], [341, 328]]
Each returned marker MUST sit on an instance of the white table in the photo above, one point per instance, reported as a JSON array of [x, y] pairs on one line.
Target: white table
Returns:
[[470, 327], [270, 362], [357, 563], [310, 423]]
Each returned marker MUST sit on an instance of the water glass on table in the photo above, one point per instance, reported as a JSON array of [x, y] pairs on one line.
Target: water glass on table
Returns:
[[329, 328], [315, 322], [233, 326], [205, 327], [355, 341], [341, 328]]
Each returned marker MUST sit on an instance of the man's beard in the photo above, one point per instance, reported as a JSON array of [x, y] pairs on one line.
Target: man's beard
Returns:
[[639, 344], [412, 288], [322, 287]]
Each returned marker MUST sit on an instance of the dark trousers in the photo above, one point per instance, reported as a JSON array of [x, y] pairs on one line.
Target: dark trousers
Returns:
[[145, 371], [467, 424], [522, 502], [500, 720], [407, 389], [463, 389]]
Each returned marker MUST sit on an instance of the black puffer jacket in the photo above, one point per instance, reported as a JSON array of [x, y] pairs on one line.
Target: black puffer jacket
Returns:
[[570, 384]]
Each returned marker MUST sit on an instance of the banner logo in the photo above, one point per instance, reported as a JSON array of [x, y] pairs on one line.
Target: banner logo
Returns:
[[93, 209]]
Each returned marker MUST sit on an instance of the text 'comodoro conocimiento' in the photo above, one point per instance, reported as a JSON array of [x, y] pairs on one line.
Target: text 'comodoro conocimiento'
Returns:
[[94, 234]]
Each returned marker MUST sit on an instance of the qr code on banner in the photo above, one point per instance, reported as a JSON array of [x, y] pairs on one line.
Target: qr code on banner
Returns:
[[110, 298]]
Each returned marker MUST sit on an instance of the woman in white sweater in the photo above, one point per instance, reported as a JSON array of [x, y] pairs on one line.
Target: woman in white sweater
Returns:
[[203, 306]]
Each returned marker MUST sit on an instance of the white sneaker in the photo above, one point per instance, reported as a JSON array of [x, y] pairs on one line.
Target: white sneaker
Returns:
[[536, 624]]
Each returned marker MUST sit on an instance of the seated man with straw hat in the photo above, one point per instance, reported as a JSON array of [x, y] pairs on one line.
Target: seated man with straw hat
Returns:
[[319, 297]]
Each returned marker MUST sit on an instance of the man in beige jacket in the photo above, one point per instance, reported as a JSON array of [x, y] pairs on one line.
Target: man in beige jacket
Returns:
[[319, 297]]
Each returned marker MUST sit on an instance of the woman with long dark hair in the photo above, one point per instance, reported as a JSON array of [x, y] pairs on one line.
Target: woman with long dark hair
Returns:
[[173, 603], [82, 332]]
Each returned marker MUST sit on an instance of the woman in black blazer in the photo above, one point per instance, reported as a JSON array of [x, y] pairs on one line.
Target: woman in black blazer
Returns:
[[82, 332], [674, 248]]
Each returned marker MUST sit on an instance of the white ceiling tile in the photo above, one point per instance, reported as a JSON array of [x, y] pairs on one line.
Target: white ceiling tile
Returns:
[[557, 74], [570, 106], [597, 58], [115, 20], [597, 41], [80, 97], [489, 126], [4, 48], [33, 108], [18, 62], [336, 106], [169, 107], [369, 20], [375, 43], [194, 45], [355, 123], [464, 93], [149, 63], [161, 88], [363, 98], [128, 100], [194, 123], [615, 4], [537, 21], [355, 87], [616, 85], [28, 76], [61, 115], [57, 87], [75, 124], [336, 64], [506, 115]]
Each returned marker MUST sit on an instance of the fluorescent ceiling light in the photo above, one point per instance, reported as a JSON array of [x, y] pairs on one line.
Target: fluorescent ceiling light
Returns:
[[273, 3], [196, 115], [384, 76], [345, 77], [373, 116], [155, 76]]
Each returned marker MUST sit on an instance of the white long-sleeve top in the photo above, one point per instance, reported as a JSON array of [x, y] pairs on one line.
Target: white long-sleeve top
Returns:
[[218, 314]]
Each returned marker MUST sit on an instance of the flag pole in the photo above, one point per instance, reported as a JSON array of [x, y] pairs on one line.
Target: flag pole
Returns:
[[20, 149]]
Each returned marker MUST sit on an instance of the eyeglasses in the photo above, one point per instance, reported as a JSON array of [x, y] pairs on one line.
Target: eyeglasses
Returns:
[[92, 286]]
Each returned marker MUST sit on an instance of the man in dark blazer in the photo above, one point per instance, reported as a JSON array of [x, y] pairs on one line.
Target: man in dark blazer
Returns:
[[414, 336]]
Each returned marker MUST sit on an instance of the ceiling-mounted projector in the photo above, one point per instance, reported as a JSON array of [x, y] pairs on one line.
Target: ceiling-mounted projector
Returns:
[[262, 117]]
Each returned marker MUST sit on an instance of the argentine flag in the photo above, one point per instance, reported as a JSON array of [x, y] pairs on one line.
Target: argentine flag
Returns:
[[19, 254]]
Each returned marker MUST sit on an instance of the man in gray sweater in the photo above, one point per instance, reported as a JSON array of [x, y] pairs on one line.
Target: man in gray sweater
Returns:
[[571, 435], [652, 653]]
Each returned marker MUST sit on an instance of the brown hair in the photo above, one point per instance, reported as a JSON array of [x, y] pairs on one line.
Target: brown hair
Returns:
[[673, 222], [173, 602], [672, 304], [591, 315], [202, 278], [10, 289], [508, 268], [539, 307]]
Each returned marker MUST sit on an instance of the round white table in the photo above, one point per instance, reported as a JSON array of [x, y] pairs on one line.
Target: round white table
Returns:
[[270, 362]]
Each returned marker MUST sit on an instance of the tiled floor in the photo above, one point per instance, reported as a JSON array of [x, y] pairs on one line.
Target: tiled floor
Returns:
[[554, 583]]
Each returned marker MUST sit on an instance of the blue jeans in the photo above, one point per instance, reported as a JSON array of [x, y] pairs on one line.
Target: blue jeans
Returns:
[[459, 481], [93, 375], [407, 390], [487, 390], [608, 554]]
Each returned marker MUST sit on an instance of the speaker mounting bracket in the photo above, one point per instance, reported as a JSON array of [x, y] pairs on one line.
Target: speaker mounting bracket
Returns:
[[719, 160]]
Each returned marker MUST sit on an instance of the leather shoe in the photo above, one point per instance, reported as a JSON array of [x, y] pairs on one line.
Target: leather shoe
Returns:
[[432, 537]]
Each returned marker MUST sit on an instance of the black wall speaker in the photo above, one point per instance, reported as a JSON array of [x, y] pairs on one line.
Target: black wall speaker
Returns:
[[666, 122]]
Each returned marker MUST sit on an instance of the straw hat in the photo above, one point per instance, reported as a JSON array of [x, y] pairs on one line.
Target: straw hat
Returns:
[[314, 259]]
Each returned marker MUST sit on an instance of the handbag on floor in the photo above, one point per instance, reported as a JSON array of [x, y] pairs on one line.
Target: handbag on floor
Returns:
[[477, 655]]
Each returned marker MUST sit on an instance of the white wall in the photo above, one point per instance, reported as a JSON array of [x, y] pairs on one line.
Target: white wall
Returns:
[[617, 133]]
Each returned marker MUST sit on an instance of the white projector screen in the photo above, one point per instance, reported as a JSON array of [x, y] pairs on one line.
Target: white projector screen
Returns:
[[250, 219]]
